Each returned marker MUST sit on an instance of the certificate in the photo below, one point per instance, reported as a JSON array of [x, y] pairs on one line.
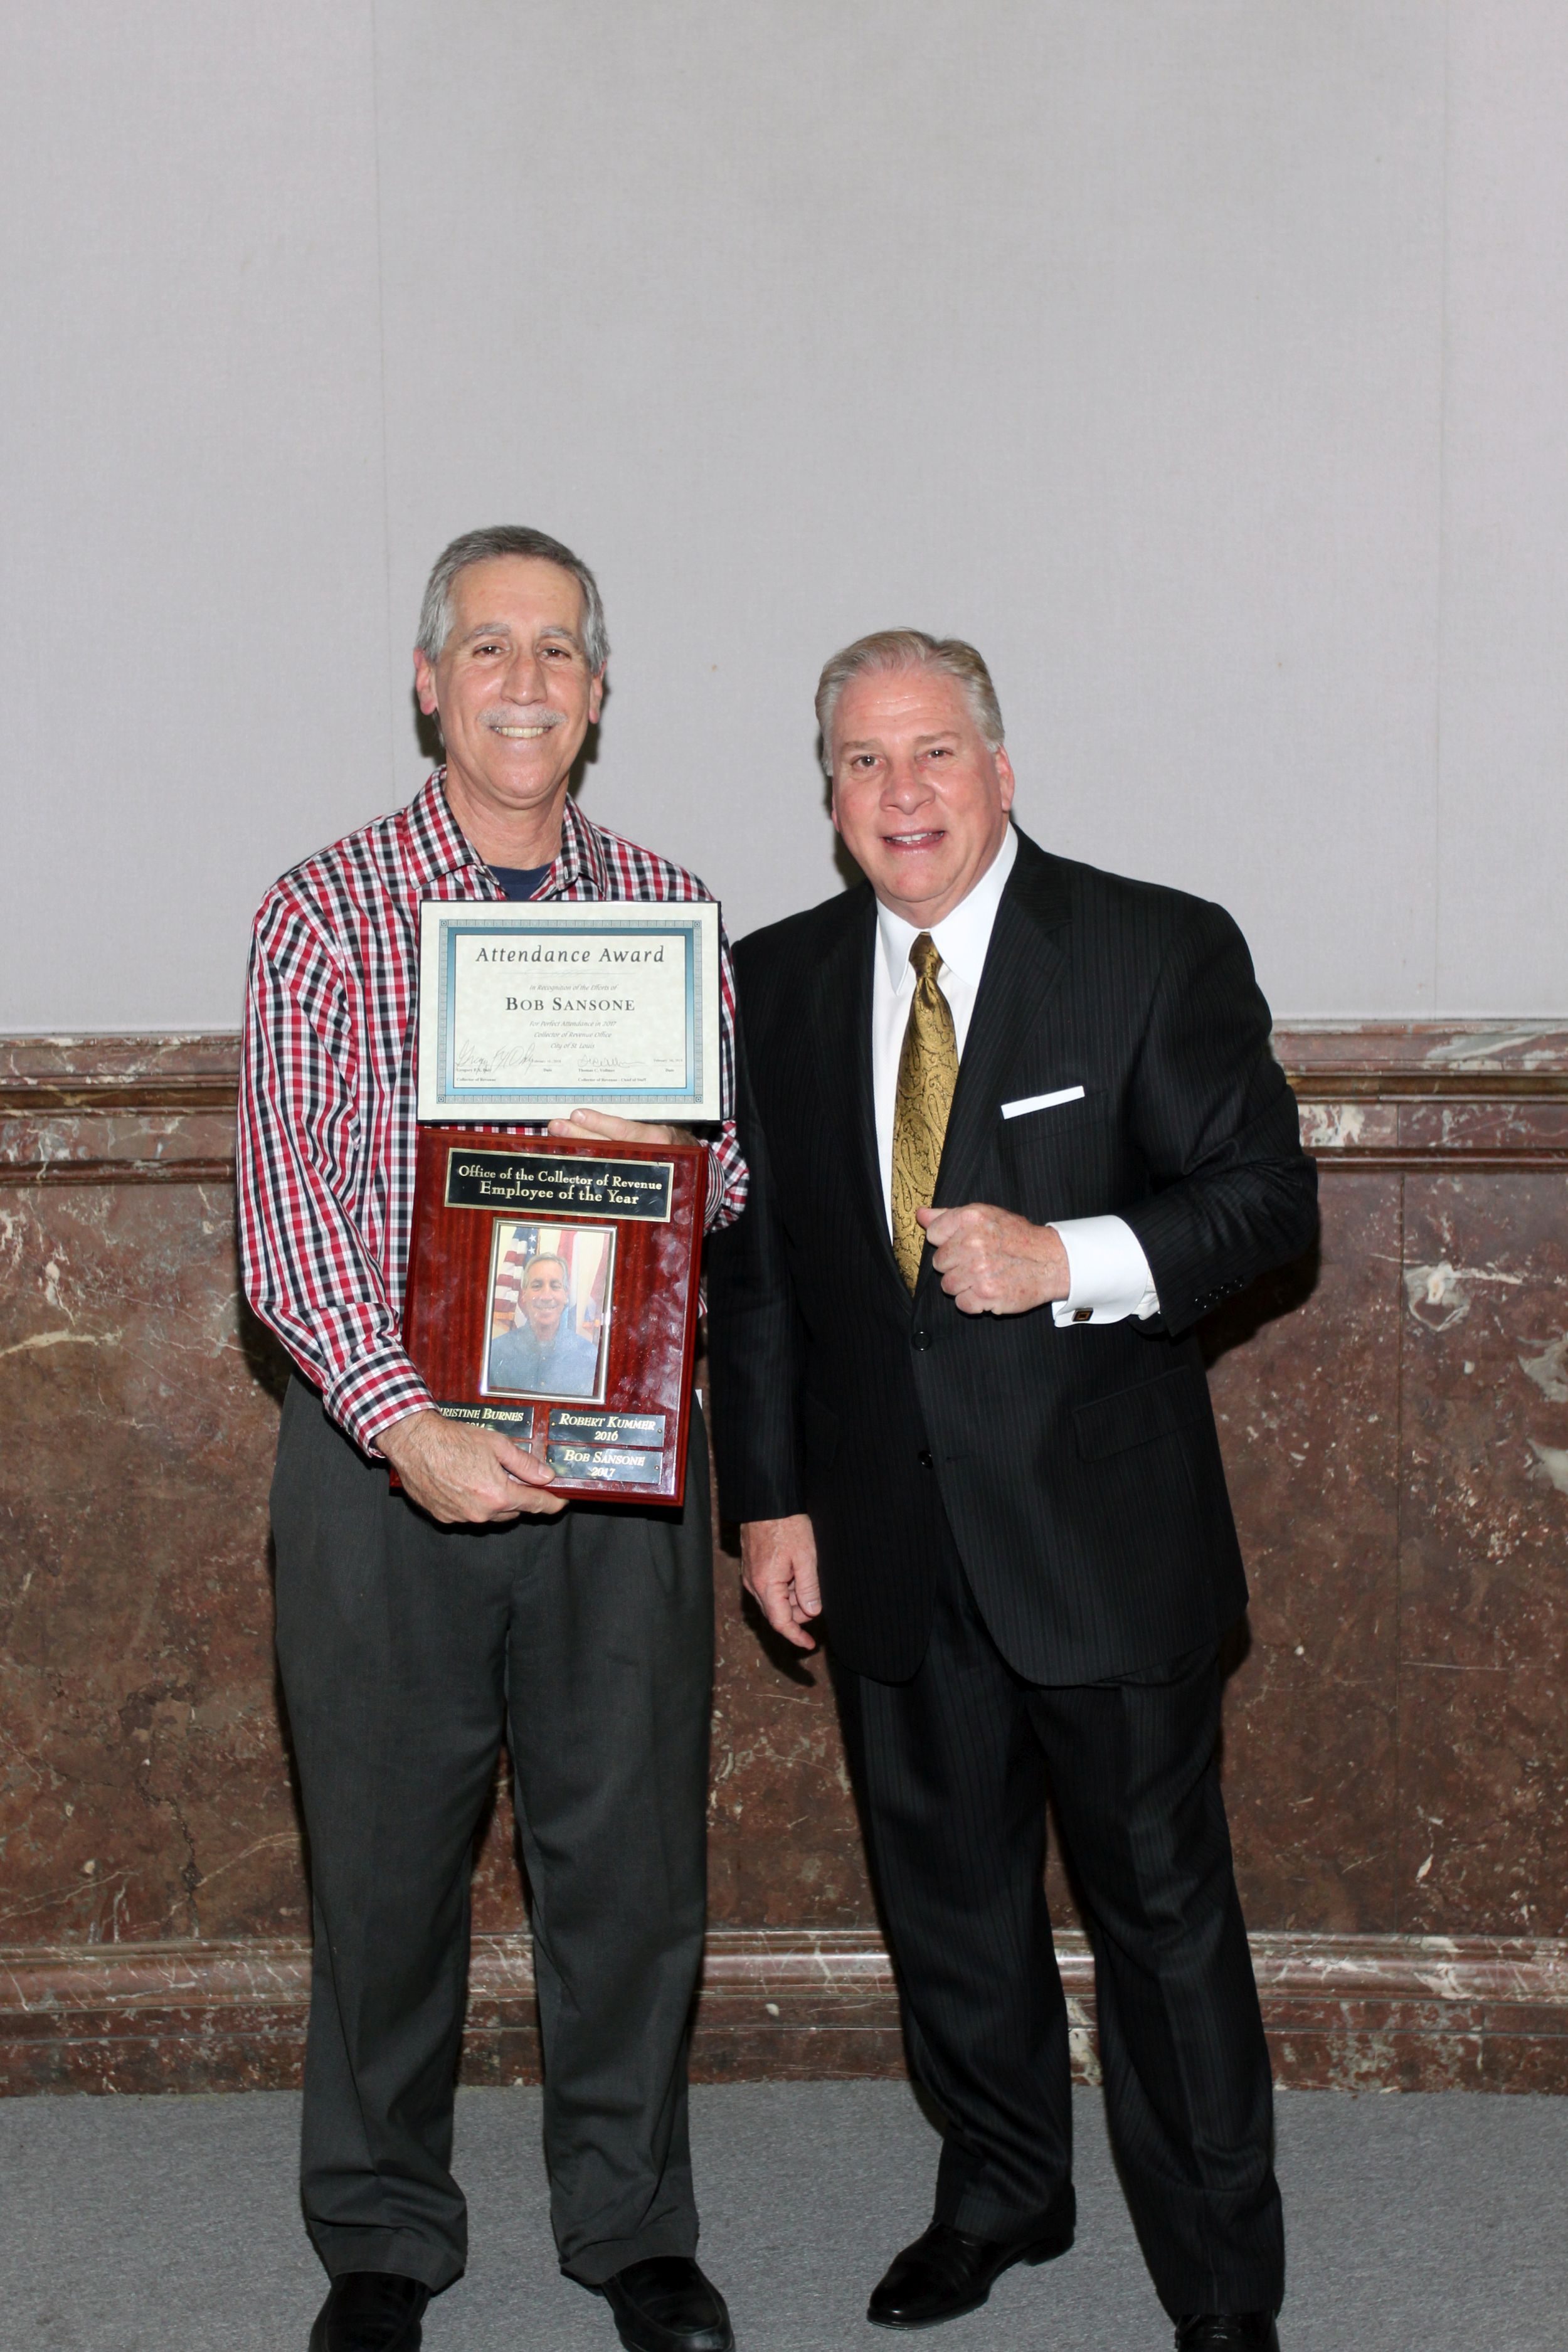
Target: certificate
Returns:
[[527, 1011]]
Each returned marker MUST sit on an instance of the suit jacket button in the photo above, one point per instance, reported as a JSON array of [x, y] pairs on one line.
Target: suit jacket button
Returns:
[[923, 1457], [922, 1340]]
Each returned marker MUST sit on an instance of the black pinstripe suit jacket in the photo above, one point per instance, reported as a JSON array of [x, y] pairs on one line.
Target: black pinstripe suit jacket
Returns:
[[1079, 1468]]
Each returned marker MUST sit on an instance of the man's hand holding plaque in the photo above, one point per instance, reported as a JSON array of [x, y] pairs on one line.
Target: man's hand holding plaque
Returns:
[[467, 1476], [602, 1124]]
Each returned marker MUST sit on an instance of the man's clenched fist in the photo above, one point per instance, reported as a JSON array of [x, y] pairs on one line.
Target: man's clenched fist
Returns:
[[993, 1262]]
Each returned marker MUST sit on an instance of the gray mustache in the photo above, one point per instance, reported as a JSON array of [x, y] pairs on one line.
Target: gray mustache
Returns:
[[534, 715]]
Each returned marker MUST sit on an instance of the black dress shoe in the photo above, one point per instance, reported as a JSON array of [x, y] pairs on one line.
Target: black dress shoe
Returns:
[[948, 2273], [1227, 2331], [371, 2311], [665, 2305]]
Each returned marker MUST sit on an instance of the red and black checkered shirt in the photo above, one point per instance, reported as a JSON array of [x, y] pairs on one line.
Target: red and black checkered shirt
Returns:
[[327, 1093]]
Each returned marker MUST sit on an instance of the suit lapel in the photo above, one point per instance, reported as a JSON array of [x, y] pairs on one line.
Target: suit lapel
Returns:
[[841, 1020], [1023, 967]]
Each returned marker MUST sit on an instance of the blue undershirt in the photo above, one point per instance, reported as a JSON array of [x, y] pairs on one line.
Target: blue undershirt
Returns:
[[520, 881]]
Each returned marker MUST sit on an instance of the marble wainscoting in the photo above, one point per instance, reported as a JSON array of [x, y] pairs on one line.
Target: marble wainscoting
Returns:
[[1394, 1414]]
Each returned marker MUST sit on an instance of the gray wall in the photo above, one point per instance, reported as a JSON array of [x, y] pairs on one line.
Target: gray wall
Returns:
[[1203, 360]]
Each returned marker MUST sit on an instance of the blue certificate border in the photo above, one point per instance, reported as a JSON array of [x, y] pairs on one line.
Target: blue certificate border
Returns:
[[452, 1095]]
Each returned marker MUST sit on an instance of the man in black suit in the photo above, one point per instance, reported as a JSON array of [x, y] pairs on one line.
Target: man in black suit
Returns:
[[1014, 1127]]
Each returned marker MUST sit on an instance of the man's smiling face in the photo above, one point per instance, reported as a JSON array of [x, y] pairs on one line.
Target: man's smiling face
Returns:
[[544, 1300], [919, 796], [512, 687]]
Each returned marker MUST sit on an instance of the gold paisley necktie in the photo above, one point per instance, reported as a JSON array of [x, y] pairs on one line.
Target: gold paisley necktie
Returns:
[[928, 1073]]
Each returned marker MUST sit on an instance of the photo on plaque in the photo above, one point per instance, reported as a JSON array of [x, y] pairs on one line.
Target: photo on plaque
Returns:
[[546, 1331]]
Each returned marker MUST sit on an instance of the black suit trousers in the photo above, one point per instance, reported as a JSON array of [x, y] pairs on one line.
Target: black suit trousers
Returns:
[[409, 1652], [950, 1771]]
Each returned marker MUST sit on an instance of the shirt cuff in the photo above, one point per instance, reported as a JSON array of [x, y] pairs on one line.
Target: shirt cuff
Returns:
[[1108, 1274], [714, 1199], [369, 1397]]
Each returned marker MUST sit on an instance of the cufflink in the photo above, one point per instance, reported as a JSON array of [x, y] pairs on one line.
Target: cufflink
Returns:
[[1083, 1315]]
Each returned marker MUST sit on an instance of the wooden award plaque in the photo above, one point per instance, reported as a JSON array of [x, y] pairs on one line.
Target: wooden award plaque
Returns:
[[551, 1293]]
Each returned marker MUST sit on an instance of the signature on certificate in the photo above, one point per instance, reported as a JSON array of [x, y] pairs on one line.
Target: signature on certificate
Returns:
[[524, 1064], [471, 1061]]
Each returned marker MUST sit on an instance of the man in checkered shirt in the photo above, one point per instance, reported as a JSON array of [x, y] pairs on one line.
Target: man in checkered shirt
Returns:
[[416, 1632]]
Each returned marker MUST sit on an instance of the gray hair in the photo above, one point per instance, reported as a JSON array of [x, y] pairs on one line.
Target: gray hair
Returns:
[[893, 649], [483, 547]]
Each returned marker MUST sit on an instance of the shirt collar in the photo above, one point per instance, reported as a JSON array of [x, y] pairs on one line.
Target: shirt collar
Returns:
[[439, 846], [963, 936], [582, 868]]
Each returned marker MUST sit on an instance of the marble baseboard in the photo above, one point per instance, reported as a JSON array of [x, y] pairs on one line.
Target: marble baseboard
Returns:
[[1342, 2012]]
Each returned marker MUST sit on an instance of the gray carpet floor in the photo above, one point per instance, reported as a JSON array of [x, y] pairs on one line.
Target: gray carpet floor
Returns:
[[1416, 2224]]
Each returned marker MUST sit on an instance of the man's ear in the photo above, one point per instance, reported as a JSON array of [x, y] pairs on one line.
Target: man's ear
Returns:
[[833, 806], [1005, 777], [595, 697], [425, 684]]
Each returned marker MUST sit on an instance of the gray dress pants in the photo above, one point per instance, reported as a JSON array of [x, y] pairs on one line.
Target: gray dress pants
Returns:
[[409, 1652]]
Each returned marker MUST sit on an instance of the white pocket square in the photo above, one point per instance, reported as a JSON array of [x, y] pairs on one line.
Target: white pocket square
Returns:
[[1042, 1102]]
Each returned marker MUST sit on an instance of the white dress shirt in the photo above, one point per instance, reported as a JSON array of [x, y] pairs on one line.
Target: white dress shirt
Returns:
[[1107, 1269]]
